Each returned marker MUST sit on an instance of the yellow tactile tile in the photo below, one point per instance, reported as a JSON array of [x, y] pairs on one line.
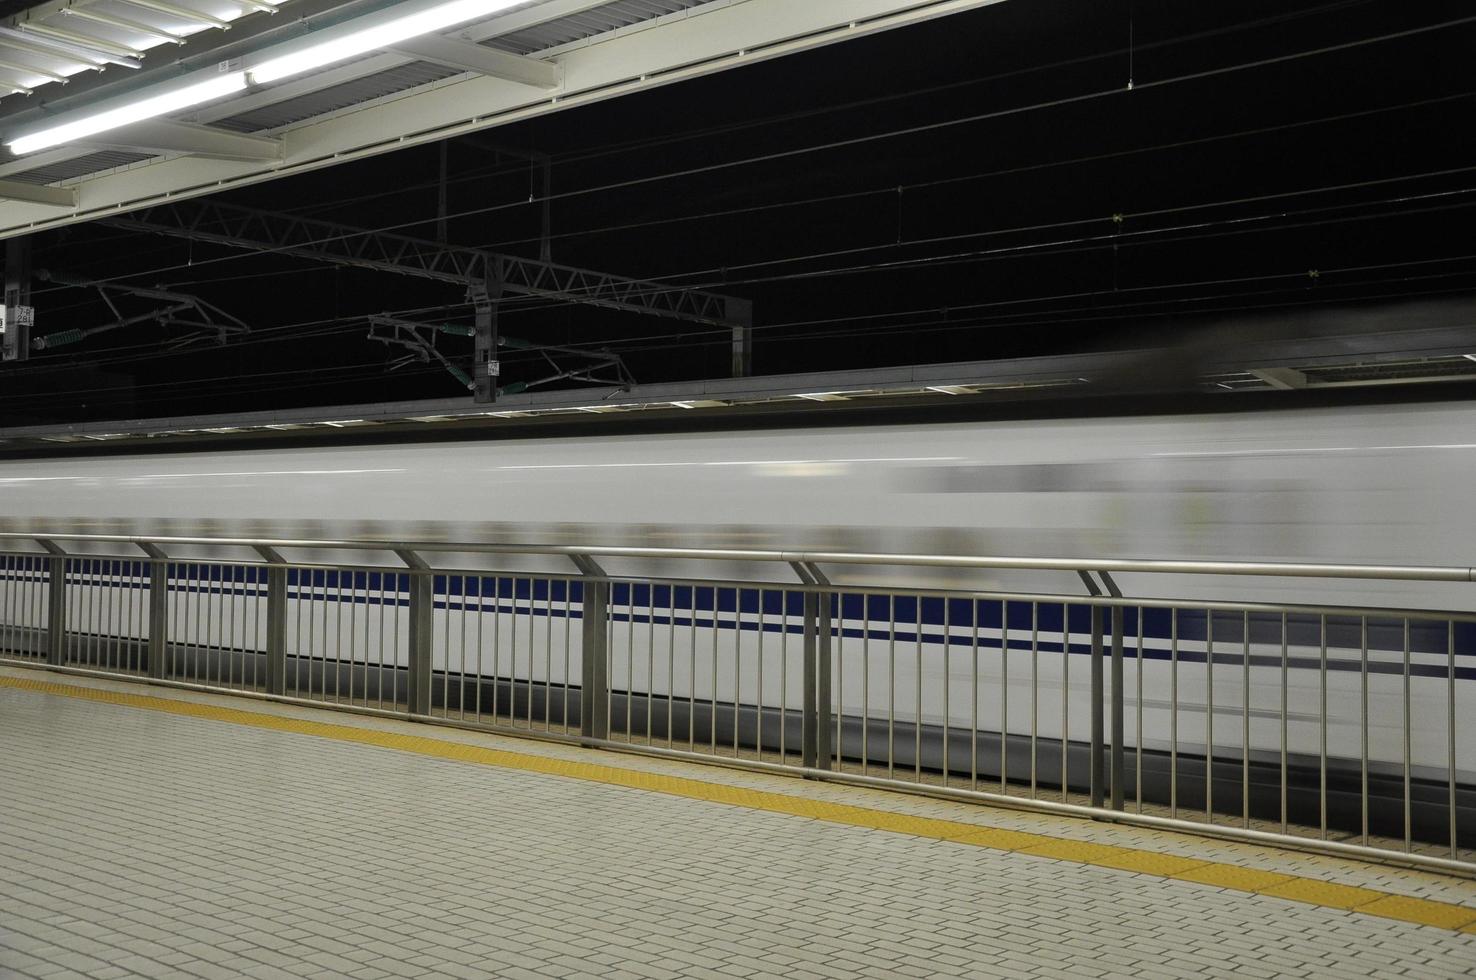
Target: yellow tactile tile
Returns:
[[1312, 891], [1145, 862], [1231, 876], [1324, 893], [995, 838], [1421, 911]]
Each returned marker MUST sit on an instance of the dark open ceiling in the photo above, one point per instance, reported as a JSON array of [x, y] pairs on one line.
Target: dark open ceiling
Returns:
[[985, 185]]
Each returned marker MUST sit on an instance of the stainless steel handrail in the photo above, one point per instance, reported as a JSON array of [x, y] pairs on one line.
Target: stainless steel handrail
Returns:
[[1421, 573]]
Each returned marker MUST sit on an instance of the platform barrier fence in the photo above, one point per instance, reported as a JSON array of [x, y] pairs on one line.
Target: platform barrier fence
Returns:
[[1332, 728]]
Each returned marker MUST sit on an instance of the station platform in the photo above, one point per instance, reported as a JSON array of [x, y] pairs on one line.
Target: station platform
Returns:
[[150, 831]]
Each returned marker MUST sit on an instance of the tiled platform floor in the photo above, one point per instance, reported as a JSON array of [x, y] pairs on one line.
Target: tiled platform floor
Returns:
[[142, 843]]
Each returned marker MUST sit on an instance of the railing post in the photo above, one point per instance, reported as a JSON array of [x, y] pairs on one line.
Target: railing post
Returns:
[[823, 719], [594, 673], [158, 607], [276, 638], [56, 602], [815, 748], [420, 652], [276, 631], [594, 680], [56, 612]]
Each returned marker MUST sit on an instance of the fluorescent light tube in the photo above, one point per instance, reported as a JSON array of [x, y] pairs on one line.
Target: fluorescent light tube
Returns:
[[377, 38], [148, 108]]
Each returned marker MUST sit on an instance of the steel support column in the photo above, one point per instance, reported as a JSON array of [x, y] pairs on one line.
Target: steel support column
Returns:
[[486, 368], [15, 342]]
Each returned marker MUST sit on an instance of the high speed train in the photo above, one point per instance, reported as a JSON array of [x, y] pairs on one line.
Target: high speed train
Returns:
[[1386, 484]]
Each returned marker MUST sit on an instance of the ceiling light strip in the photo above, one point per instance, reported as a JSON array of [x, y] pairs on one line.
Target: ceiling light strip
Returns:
[[375, 33]]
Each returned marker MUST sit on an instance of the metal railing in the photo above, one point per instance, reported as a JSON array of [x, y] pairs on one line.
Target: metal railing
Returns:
[[1334, 728]]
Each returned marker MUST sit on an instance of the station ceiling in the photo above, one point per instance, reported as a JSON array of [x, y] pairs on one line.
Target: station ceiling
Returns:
[[66, 59]]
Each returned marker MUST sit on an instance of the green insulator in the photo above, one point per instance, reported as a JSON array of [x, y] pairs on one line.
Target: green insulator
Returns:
[[457, 329], [516, 388], [59, 339], [516, 343], [460, 375]]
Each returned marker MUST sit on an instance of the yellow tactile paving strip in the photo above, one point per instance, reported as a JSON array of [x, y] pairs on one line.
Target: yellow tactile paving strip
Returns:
[[1421, 911]]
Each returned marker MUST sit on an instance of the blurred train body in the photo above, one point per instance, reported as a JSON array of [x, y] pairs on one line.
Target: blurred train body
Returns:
[[1372, 485]]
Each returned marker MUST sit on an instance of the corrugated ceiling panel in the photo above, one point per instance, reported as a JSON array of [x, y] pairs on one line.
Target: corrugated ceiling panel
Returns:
[[338, 97], [90, 164], [601, 20]]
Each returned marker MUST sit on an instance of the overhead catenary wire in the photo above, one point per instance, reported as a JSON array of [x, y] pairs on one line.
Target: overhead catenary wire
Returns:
[[862, 140]]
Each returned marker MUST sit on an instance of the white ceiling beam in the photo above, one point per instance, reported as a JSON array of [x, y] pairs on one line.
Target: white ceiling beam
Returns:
[[484, 61], [167, 136], [701, 41], [40, 194]]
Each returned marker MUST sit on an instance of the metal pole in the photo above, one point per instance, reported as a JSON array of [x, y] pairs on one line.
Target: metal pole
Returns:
[[15, 338], [809, 722], [486, 368], [421, 640], [276, 640], [56, 619], [823, 730], [1098, 760], [158, 616], [740, 313], [594, 694]]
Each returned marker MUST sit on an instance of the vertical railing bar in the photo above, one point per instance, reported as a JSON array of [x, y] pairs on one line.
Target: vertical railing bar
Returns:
[[838, 626], [947, 688], [384, 622], [1322, 750], [1408, 807], [917, 717], [548, 653], [737, 662], [1450, 732], [1209, 716], [1285, 665], [1174, 713], [692, 675], [892, 688], [1004, 694], [497, 649], [974, 694], [712, 719], [759, 721], [865, 684], [630, 688], [1245, 738], [1065, 701], [1138, 700], [461, 655], [568, 616], [1363, 758], [1034, 690]]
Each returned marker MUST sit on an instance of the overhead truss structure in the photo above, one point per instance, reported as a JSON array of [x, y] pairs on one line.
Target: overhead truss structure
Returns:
[[335, 244]]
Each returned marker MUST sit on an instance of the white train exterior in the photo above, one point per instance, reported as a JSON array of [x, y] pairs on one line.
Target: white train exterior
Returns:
[[1372, 485]]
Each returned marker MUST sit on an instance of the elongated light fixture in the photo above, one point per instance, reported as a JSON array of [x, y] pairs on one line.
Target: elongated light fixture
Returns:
[[383, 34], [380, 36], [132, 112]]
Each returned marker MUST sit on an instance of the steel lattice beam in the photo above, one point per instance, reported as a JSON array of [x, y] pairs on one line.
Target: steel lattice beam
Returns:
[[323, 241]]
